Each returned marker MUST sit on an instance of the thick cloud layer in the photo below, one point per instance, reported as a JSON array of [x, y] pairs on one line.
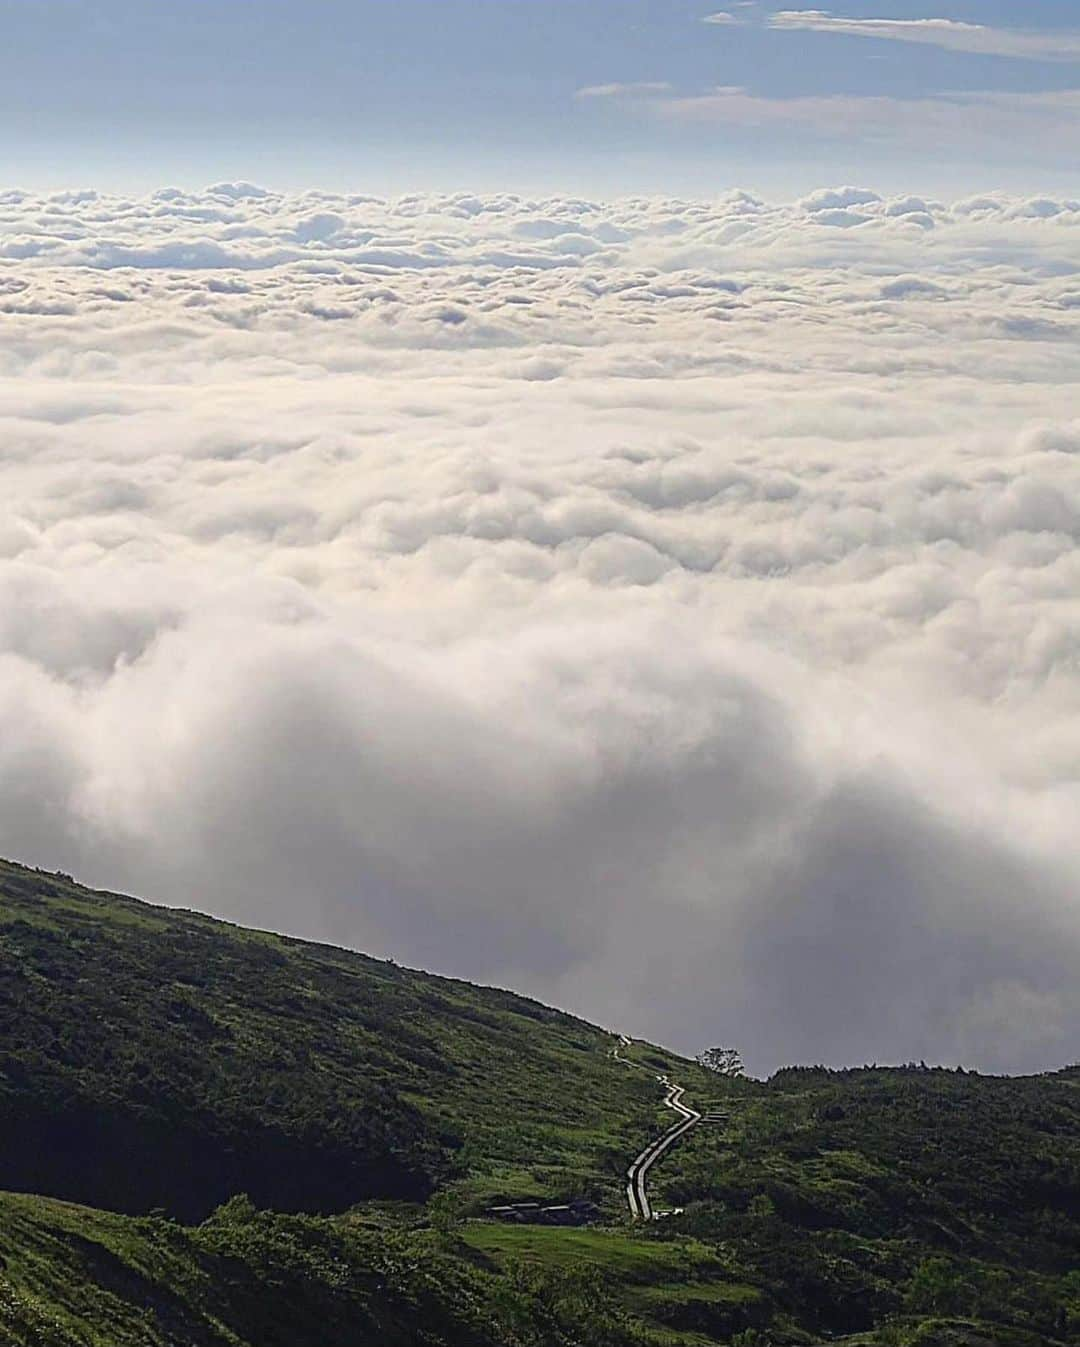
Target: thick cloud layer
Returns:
[[668, 608]]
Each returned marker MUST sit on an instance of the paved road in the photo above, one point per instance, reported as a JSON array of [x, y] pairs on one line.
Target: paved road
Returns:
[[636, 1195]]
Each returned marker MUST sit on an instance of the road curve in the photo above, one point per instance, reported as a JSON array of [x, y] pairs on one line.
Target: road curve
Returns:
[[636, 1195]]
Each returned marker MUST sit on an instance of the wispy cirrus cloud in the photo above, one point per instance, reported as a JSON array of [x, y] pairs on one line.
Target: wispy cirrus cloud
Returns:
[[721, 17], [1046, 119], [951, 34], [619, 89]]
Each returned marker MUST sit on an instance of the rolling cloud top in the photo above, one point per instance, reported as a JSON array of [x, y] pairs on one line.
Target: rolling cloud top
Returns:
[[665, 607]]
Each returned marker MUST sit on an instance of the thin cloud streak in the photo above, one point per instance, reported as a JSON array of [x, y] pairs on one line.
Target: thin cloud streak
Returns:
[[950, 34], [640, 89], [1041, 120]]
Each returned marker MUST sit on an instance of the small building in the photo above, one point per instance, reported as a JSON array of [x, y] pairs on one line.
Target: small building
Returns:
[[577, 1212]]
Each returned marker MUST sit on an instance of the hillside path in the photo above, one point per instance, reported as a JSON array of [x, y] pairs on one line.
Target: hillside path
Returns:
[[636, 1195]]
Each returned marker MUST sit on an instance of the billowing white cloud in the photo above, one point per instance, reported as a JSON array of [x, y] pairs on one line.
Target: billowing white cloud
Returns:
[[666, 607], [952, 34]]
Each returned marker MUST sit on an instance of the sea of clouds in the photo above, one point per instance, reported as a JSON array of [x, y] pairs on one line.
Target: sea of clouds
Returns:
[[668, 608]]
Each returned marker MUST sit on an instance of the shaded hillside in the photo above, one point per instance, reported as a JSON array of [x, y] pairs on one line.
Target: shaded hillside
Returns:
[[159, 1059], [154, 1058]]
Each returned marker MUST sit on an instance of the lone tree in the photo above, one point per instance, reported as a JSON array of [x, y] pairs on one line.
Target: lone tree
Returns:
[[724, 1061]]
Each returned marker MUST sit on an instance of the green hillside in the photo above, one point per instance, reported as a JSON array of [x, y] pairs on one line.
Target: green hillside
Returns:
[[74, 1277], [159, 1059], [903, 1194], [214, 1137]]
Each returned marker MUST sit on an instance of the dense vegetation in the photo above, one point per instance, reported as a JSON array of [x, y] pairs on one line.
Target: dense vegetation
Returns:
[[73, 1277], [152, 1058], [907, 1194], [155, 1065]]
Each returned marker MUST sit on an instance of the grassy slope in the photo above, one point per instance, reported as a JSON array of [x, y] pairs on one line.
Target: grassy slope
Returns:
[[875, 1206], [74, 1277], [153, 1058]]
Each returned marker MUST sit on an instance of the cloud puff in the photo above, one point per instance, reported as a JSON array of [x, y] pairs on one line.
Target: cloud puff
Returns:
[[953, 35], [666, 607]]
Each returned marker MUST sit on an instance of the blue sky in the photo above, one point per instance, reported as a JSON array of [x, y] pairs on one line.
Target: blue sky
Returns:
[[390, 95]]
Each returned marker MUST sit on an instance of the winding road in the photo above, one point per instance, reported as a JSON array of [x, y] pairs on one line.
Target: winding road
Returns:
[[636, 1195]]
